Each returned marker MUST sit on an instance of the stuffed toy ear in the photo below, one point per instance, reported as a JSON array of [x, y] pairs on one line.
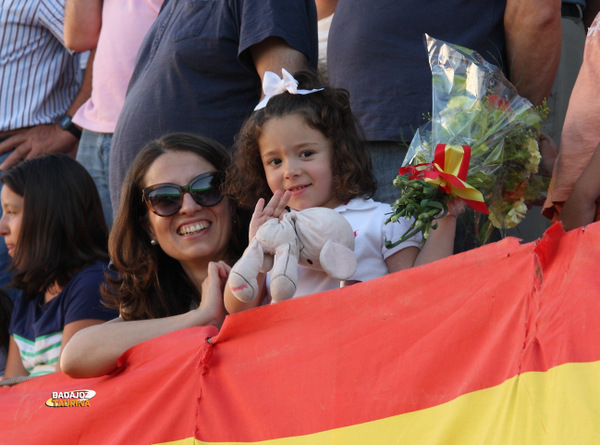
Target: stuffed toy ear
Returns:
[[337, 260]]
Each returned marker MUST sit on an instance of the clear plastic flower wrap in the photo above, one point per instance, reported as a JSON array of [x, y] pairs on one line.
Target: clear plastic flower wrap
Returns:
[[474, 105]]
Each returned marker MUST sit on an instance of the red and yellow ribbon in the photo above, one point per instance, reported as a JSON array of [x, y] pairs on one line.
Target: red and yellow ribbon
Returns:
[[449, 171]]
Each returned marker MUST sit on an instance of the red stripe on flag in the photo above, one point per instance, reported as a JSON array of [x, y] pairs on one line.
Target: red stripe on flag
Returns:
[[409, 341]]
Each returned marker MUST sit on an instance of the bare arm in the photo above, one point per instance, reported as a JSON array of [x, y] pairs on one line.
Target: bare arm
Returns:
[[440, 243], [14, 364], [580, 206], [325, 8], [71, 329], [533, 42], [95, 351], [274, 53], [83, 20]]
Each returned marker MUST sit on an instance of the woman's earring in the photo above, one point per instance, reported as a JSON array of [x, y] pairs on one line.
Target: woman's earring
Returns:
[[153, 242]]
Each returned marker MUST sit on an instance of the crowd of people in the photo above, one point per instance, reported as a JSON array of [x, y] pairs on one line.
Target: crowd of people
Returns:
[[158, 136]]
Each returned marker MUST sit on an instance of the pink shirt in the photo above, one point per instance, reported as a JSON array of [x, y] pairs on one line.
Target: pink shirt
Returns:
[[581, 130], [124, 25]]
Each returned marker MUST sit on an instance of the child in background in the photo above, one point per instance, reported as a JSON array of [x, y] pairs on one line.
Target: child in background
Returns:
[[303, 149], [56, 234]]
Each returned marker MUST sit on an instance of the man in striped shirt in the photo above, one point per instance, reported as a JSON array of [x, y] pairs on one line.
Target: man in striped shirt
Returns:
[[40, 86]]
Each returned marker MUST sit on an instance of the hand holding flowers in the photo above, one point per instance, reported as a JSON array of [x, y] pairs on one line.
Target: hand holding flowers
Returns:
[[474, 106]]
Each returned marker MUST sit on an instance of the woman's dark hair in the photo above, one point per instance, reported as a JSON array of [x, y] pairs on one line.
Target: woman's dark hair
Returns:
[[327, 111], [149, 283], [62, 229], [6, 307]]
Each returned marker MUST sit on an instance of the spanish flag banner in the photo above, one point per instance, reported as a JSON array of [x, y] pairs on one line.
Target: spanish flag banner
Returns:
[[498, 345]]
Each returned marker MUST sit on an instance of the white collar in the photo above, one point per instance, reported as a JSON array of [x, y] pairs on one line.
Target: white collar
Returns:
[[357, 204]]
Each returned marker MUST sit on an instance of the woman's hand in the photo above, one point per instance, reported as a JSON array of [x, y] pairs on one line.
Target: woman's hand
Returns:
[[274, 209], [213, 285]]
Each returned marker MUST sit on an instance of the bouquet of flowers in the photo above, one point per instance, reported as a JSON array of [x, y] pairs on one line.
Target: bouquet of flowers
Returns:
[[480, 145]]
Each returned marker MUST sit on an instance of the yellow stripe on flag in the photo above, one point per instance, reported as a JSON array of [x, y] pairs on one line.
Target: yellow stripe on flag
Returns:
[[552, 408]]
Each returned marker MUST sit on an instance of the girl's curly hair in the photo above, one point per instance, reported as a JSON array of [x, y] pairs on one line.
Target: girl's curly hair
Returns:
[[327, 111]]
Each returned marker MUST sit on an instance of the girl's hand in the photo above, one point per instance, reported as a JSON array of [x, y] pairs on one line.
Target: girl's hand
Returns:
[[212, 292], [455, 207], [274, 209]]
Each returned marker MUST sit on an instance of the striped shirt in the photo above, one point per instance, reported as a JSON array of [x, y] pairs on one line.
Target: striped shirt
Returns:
[[40, 356], [39, 77], [37, 325]]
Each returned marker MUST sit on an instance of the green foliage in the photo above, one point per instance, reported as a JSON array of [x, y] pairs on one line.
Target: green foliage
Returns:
[[474, 105]]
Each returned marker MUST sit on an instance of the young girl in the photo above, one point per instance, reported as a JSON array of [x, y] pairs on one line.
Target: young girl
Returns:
[[55, 232], [303, 150]]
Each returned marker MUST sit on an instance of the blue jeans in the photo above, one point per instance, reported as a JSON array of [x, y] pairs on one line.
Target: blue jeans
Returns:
[[94, 153]]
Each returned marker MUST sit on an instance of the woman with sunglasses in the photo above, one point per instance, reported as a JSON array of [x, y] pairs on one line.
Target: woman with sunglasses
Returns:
[[172, 243], [55, 231]]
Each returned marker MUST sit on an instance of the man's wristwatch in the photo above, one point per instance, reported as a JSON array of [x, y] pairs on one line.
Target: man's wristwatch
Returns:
[[67, 124]]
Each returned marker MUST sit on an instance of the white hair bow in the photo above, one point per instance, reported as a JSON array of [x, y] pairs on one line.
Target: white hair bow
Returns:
[[274, 85]]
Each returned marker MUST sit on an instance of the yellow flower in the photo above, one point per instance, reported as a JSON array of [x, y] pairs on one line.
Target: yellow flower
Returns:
[[516, 214], [534, 156]]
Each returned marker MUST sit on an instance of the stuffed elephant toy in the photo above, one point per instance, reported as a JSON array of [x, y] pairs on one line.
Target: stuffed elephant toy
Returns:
[[317, 237]]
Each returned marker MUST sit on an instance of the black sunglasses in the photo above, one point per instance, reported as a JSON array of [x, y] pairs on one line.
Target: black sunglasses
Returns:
[[166, 199]]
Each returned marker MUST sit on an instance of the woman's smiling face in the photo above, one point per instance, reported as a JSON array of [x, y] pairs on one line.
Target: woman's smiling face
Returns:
[[195, 234]]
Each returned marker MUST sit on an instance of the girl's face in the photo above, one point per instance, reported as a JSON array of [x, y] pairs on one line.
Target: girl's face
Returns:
[[297, 158], [195, 234], [12, 216]]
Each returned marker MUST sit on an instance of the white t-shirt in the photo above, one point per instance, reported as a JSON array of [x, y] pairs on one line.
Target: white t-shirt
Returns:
[[323, 33], [124, 25]]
